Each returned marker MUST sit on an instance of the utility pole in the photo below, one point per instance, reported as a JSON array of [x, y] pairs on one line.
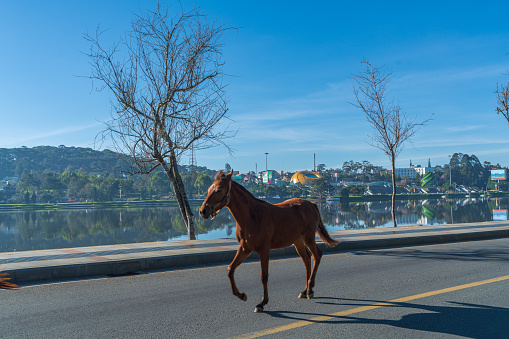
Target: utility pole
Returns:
[[450, 173], [192, 159], [266, 167]]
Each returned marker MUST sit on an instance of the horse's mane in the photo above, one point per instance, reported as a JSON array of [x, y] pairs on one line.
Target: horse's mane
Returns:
[[242, 188], [220, 175]]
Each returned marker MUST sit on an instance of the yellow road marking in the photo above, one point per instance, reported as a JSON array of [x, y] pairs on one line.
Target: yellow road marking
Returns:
[[323, 318]]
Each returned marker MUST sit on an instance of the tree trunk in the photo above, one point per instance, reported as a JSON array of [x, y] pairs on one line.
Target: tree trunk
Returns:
[[189, 217], [180, 193], [393, 209]]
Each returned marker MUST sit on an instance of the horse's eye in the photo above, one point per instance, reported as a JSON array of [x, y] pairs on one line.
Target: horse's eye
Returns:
[[219, 191]]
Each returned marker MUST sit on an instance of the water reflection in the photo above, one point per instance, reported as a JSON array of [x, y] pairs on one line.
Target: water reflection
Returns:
[[21, 231], [414, 212]]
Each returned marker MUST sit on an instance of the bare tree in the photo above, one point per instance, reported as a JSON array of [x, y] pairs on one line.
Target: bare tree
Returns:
[[391, 126], [502, 107], [166, 77]]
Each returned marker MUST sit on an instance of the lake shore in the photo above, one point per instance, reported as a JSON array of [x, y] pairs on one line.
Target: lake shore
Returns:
[[196, 202]]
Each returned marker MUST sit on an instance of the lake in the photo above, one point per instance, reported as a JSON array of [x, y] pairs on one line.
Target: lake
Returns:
[[22, 231]]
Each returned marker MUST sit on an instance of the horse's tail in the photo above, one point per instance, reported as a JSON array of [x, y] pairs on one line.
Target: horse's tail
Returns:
[[4, 277], [322, 231]]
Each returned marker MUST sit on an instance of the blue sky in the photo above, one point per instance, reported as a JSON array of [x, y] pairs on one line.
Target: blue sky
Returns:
[[292, 63]]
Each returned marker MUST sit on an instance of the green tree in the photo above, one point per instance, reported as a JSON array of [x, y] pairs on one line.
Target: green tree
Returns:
[[51, 181], [29, 181], [270, 191], [367, 166], [66, 177], [46, 196], [257, 190], [189, 179], [345, 192], [347, 167], [296, 192], [159, 183], [468, 170], [283, 192], [321, 188], [75, 186], [202, 183]]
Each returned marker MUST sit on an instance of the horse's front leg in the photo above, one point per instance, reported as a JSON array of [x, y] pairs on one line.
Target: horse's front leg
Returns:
[[241, 255], [264, 274]]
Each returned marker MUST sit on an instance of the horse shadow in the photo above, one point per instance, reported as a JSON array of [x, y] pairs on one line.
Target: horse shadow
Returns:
[[459, 319], [492, 255]]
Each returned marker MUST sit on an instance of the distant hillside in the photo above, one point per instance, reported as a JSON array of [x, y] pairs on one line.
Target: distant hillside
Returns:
[[13, 161]]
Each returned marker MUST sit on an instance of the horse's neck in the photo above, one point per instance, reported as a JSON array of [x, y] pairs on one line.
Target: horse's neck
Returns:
[[240, 201]]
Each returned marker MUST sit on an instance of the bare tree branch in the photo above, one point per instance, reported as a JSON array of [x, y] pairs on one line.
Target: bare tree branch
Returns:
[[502, 107], [391, 126], [166, 77]]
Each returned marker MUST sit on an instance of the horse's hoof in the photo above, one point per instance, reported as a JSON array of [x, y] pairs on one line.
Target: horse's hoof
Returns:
[[258, 309], [302, 295], [243, 297], [310, 296]]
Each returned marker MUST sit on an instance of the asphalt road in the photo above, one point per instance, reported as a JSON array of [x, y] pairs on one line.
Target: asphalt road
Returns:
[[362, 294]]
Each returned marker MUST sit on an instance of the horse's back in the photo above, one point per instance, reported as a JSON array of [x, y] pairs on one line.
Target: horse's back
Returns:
[[297, 215], [294, 202], [279, 225], [300, 206]]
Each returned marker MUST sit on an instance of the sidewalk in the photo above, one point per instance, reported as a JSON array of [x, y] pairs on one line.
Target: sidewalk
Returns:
[[68, 263]]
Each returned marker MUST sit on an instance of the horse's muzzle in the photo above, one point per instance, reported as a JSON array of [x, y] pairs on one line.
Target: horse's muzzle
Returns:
[[204, 212]]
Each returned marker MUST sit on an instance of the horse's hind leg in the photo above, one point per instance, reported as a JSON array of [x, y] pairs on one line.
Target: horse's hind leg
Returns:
[[241, 255], [264, 275], [306, 258], [317, 256]]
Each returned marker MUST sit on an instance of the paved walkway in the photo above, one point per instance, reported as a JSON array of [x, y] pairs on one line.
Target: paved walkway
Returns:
[[71, 263]]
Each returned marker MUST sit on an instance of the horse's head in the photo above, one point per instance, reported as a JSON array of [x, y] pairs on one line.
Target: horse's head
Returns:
[[218, 195]]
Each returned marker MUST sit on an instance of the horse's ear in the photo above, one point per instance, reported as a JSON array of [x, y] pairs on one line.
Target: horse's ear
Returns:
[[229, 176]]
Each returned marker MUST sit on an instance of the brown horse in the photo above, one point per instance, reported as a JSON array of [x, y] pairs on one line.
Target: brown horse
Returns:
[[262, 226]]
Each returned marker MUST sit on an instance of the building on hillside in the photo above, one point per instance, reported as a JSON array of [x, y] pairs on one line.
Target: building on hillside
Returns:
[[12, 180], [379, 189], [250, 178], [413, 171], [287, 176]]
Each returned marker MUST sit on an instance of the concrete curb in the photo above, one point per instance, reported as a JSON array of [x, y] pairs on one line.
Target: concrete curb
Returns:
[[157, 260], [415, 240]]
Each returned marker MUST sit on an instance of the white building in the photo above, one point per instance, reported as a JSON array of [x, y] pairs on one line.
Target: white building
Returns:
[[413, 171]]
